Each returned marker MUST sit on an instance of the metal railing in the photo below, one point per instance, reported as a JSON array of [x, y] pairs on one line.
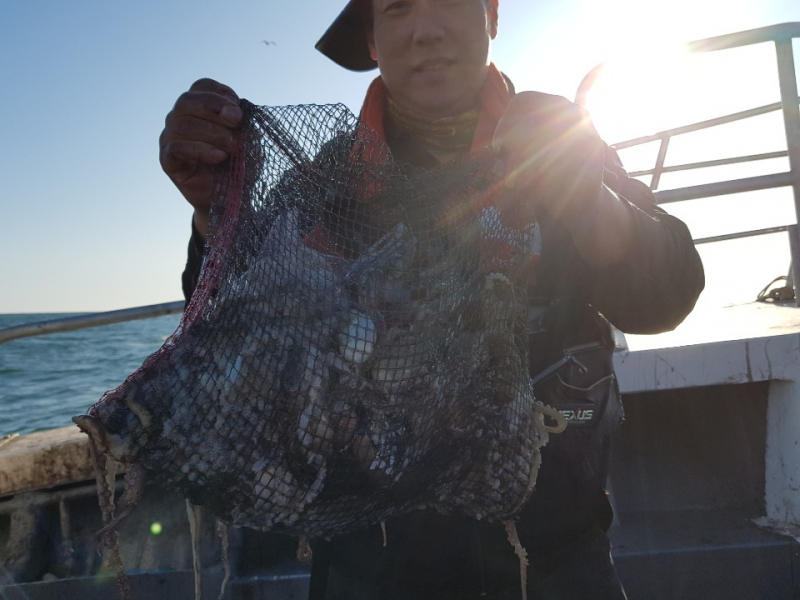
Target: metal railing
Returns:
[[749, 183], [781, 36], [90, 320]]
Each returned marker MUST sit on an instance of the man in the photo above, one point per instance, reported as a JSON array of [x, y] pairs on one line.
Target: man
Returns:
[[608, 254]]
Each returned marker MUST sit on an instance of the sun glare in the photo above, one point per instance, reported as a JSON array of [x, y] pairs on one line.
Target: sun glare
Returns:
[[632, 96], [643, 94]]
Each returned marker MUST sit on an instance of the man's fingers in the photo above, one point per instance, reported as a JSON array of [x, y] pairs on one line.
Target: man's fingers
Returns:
[[177, 154], [197, 135], [209, 85], [209, 100], [194, 129], [207, 106], [208, 91]]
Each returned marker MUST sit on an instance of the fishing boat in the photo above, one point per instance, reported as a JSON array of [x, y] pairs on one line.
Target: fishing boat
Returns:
[[705, 474]]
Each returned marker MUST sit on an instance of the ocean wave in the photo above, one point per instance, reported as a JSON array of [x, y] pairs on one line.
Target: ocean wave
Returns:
[[48, 379]]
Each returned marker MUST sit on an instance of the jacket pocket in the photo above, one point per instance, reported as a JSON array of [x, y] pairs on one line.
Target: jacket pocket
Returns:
[[584, 390]]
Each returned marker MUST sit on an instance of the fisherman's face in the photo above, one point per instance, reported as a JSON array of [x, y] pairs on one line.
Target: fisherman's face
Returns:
[[432, 54]]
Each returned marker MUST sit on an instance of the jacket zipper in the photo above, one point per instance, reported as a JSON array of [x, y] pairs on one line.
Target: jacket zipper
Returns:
[[569, 357]]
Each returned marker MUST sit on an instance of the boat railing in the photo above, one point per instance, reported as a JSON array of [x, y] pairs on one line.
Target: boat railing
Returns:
[[90, 320], [782, 37]]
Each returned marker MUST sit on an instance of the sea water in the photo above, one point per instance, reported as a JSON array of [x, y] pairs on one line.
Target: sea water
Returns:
[[46, 380]]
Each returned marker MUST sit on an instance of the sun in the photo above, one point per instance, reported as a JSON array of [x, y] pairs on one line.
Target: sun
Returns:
[[639, 94], [644, 93]]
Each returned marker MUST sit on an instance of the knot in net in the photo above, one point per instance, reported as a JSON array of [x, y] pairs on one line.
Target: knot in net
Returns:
[[355, 347]]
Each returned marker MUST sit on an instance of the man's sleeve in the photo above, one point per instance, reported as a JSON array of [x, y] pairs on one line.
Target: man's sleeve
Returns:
[[194, 260], [657, 284]]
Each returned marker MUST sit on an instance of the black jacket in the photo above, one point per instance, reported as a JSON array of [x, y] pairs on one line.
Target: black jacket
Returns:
[[650, 291]]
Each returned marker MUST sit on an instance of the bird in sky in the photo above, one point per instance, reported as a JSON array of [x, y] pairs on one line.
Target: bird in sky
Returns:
[[269, 43]]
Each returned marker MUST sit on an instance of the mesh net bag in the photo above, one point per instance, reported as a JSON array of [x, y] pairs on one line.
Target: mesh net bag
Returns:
[[355, 347]]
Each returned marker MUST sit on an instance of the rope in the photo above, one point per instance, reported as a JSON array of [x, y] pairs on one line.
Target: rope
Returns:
[[552, 413], [522, 554], [222, 532], [780, 294]]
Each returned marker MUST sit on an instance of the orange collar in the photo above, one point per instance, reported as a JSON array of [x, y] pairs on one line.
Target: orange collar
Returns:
[[494, 97]]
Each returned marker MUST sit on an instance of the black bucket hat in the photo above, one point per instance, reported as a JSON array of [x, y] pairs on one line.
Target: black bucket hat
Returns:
[[345, 41]]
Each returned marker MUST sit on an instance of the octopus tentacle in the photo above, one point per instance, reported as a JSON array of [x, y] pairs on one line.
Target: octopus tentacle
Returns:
[[110, 539]]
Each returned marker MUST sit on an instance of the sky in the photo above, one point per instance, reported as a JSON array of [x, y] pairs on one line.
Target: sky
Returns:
[[89, 222]]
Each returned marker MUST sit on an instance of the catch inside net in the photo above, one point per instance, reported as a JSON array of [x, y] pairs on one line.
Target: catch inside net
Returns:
[[355, 347]]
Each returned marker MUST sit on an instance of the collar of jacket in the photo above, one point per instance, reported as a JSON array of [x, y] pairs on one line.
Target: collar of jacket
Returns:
[[493, 97]]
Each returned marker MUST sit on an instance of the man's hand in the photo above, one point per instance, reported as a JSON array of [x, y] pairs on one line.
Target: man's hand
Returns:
[[197, 136], [554, 158]]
